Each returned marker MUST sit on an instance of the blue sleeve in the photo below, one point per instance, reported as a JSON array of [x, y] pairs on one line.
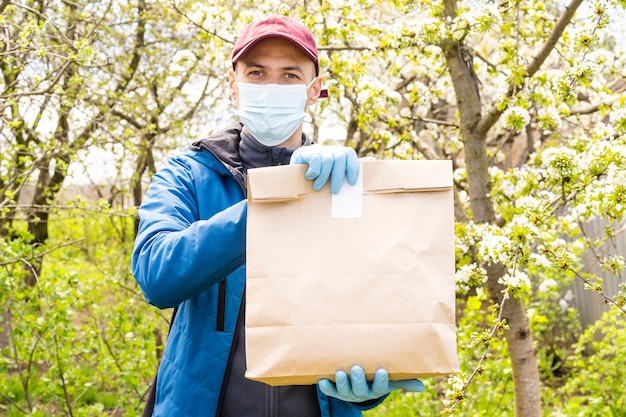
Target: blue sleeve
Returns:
[[177, 254]]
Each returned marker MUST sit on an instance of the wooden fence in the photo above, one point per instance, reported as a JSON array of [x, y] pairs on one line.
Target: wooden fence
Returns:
[[590, 304]]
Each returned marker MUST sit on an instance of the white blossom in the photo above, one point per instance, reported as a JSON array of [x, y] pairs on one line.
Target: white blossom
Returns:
[[528, 203], [210, 16], [601, 130], [516, 118], [540, 260], [523, 222], [469, 276], [493, 247], [183, 61], [456, 382], [515, 280], [547, 285], [618, 118], [561, 162], [613, 263], [549, 118]]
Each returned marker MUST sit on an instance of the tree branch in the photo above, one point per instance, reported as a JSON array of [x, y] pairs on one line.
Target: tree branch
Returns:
[[199, 26], [492, 116], [620, 87], [42, 254], [434, 121]]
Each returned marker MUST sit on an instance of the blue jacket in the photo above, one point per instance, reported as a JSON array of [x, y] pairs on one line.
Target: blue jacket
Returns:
[[190, 253]]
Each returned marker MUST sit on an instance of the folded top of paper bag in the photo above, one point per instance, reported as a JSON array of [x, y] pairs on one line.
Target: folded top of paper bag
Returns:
[[276, 183]]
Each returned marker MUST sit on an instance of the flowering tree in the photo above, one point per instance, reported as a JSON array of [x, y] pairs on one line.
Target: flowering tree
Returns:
[[89, 76], [113, 80], [529, 105]]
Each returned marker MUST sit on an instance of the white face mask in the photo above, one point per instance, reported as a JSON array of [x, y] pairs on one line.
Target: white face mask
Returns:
[[272, 112]]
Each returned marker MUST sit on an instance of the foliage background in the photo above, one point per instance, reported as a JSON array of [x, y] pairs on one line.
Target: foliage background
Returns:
[[102, 92]]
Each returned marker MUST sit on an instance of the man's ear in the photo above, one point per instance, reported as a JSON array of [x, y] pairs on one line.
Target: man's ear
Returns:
[[316, 89], [231, 84]]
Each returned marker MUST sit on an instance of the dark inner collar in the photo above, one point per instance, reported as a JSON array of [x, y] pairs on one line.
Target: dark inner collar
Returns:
[[255, 155]]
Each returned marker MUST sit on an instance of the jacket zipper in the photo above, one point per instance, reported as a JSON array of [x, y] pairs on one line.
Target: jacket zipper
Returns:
[[221, 306], [273, 398]]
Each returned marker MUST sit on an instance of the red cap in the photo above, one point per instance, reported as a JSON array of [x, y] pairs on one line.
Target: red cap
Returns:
[[277, 27]]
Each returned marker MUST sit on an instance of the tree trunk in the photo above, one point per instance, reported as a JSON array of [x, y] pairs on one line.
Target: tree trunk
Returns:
[[519, 338], [526, 380], [521, 347]]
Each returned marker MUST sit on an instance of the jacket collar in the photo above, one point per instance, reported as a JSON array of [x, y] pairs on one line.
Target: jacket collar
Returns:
[[238, 151]]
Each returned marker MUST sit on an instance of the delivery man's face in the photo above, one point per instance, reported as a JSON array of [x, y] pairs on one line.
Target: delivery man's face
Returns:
[[276, 61]]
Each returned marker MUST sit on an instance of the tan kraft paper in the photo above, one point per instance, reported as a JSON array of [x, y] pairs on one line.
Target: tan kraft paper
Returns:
[[326, 293]]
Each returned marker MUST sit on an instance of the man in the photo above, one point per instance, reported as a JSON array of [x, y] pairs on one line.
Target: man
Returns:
[[190, 250]]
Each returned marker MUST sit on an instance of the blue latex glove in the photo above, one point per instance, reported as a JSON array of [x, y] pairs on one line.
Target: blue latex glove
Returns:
[[336, 162], [356, 389]]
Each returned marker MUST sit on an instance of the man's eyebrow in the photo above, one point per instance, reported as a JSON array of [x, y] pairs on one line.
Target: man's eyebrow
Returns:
[[253, 64], [294, 68]]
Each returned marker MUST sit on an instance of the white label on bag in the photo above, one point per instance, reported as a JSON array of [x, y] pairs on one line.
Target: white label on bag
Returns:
[[348, 203]]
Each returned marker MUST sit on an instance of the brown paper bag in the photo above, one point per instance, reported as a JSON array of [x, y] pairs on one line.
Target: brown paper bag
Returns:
[[327, 293]]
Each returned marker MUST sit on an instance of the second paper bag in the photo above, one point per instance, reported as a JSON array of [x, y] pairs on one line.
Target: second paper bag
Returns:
[[376, 290]]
